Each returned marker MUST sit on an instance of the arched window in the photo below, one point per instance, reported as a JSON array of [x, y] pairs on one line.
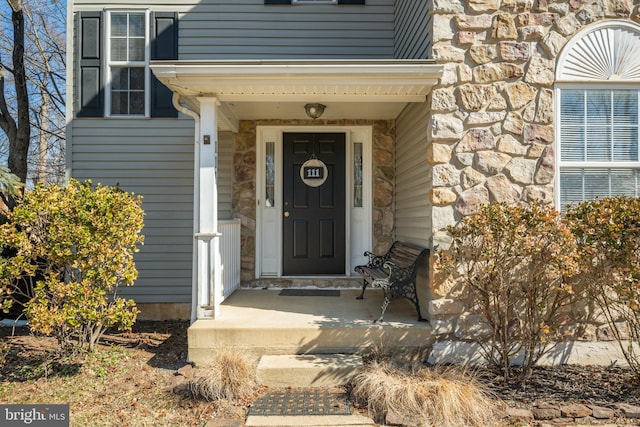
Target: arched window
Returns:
[[597, 114]]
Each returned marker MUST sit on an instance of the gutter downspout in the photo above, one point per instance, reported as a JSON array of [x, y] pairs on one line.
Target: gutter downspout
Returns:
[[196, 201]]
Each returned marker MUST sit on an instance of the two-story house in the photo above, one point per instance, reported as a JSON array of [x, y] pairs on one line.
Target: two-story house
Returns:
[[406, 115]]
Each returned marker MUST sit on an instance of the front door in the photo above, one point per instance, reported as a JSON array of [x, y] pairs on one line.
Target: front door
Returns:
[[313, 204]]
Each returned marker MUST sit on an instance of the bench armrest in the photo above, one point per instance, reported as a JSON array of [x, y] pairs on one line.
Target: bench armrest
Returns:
[[375, 261], [397, 273]]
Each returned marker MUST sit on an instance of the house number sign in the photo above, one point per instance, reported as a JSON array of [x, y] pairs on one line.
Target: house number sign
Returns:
[[313, 172]]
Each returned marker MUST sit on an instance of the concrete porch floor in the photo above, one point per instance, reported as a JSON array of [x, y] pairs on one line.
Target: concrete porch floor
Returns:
[[263, 322]]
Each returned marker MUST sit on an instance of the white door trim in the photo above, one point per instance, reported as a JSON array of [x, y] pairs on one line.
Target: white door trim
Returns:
[[358, 220]]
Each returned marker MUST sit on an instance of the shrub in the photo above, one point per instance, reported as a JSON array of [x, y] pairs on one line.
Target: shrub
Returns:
[[608, 233], [80, 241], [448, 398], [231, 375], [515, 261], [10, 190]]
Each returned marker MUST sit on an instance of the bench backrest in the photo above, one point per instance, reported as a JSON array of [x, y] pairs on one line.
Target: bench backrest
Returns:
[[405, 254]]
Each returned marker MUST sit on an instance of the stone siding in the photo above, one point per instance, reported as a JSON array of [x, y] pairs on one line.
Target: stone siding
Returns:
[[244, 184], [492, 113]]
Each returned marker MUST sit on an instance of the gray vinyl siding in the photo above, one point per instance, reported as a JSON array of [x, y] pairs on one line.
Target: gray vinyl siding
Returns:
[[155, 162], [413, 220], [412, 29], [249, 29], [154, 159]]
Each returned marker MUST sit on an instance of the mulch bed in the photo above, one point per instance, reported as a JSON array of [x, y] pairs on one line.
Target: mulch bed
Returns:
[[599, 385]]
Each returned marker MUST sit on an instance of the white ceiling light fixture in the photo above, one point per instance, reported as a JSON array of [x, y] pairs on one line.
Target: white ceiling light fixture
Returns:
[[314, 111]]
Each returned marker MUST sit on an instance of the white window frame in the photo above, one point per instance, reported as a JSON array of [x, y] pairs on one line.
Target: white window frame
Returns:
[[122, 64], [564, 165], [580, 66]]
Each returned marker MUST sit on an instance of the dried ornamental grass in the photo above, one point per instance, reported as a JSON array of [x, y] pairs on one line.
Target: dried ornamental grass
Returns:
[[231, 375], [431, 398]]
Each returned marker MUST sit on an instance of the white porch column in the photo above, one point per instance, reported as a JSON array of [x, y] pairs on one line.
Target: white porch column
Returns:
[[208, 239]]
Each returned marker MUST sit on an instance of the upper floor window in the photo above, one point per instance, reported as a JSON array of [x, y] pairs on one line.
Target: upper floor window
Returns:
[[598, 114], [128, 58], [113, 50]]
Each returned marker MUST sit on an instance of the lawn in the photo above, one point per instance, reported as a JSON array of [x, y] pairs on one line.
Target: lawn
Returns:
[[127, 381]]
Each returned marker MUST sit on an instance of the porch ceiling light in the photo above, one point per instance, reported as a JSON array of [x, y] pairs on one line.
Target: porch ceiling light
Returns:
[[314, 110]]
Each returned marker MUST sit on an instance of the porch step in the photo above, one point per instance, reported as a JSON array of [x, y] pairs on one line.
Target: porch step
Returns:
[[329, 370], [261, 322], [354, 420]]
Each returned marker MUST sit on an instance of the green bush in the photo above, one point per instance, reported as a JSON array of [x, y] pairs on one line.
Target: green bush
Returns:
[[80, 242], [515, 261], [10, 189], [608, 234]]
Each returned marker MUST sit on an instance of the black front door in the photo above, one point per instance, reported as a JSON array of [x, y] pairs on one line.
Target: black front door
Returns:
[[314, 215]]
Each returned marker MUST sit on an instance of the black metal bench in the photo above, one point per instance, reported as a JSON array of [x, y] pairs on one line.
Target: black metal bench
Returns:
[[395, 272]]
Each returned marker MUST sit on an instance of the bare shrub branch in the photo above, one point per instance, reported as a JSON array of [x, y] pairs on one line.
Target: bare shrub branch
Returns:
[[515, 262], [608, 233]]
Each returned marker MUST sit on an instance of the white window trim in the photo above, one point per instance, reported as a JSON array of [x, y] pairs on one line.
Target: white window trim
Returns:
[[109, 64], [594, 85]]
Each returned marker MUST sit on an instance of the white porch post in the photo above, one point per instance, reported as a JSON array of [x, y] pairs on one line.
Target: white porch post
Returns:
[[207, 236]]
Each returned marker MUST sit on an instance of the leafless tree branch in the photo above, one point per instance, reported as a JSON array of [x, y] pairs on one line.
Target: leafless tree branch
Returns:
[[32, 109]]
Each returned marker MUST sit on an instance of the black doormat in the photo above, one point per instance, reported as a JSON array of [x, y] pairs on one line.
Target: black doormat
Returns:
[[292, 292], [301, 402]]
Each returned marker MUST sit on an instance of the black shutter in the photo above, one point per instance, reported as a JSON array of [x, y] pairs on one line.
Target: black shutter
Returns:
[[91, 89], [164, 46], [350, 1]]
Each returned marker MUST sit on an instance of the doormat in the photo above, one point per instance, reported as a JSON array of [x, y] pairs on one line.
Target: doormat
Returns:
[[289, 292], [302, 402]]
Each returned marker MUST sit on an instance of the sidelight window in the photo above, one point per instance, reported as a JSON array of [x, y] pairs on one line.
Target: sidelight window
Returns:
[[270, 174], [357, 175]]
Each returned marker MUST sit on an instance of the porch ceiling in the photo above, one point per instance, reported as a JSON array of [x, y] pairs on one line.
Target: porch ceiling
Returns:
[[252, 90]]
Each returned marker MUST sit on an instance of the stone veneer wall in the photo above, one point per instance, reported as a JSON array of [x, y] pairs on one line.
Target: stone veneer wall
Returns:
[[244, 184], [492, 113]]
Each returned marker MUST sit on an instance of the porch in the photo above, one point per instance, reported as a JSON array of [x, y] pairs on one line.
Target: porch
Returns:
[[263, 103], [264, 322]]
